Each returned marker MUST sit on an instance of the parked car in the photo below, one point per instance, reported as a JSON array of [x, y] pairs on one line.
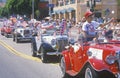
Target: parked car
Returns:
[[92, 59], [22, 34], [49, 43]]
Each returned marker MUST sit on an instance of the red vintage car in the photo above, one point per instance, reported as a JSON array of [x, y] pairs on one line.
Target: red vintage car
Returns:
[[92, 60], [7, 30], [2, 30]]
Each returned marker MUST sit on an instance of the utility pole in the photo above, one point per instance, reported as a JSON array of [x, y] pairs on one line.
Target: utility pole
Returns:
[[50, 2], [33, 13], [32, 9]]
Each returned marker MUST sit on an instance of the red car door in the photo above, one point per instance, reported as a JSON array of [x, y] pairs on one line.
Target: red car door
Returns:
[[77, 58]]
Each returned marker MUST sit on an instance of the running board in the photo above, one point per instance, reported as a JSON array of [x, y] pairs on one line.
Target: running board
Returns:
[[53, 53], [72, 72]]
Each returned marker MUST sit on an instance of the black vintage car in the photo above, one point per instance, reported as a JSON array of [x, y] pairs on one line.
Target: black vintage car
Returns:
[[49, 43]]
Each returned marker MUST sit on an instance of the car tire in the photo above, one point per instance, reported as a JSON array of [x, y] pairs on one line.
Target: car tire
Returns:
[[34, 52], [90, 72], [44, 56], [63, 69], [2, 33], [16, 39], [13, 38], [6, 35]]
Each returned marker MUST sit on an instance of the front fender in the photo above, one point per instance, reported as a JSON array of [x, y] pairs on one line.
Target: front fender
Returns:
[[47, 47], [66, 55], [98, 65]]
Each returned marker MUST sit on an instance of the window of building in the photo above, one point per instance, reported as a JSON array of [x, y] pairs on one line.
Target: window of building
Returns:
[[98, 0], [78, 1], [82, 1], [61, 2], [72, 1], [66, 2], [43, 0]]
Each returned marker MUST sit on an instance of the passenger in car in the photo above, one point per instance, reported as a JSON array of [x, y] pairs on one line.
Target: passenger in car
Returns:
[[90, 26], [108, 35]]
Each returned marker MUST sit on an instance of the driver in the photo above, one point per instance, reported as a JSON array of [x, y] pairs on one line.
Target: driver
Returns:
[[108, 36], [90, 26]]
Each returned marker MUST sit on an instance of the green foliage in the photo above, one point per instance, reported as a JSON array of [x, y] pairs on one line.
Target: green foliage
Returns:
[[118, 1], [37, 13], [22, 7]]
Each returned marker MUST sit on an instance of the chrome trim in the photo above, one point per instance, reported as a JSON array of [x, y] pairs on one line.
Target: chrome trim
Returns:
[[54, 53], [118, 58]]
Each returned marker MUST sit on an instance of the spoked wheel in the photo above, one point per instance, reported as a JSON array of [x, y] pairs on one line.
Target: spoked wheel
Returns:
[[43, 55], [90, 72], [63, 69]]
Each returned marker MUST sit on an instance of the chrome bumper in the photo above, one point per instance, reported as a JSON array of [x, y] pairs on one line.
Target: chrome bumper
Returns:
[[118, 75], [54, 53]]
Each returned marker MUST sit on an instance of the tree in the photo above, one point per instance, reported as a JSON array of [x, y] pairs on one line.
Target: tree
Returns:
[[22, 7], [37, 13], [118, 1]]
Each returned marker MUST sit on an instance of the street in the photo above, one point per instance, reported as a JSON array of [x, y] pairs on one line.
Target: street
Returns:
[[18, 66]]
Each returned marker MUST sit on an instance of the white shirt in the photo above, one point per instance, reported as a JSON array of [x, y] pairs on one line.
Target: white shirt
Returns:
[[90, 27]]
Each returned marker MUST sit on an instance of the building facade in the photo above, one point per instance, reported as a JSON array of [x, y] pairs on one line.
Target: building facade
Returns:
[[75, 9], [2, 3]]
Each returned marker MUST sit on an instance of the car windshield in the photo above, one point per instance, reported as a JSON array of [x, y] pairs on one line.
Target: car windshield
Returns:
[[109, 36], [54, 32], [49, 32]]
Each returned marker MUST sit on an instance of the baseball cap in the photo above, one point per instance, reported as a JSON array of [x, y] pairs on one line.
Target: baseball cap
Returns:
[[88, 13]]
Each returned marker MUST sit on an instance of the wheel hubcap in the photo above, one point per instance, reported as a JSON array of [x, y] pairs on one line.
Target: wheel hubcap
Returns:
[[62, 65], [88, 73]]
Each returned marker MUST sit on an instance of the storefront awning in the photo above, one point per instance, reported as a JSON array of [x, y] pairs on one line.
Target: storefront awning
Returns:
[[70, 9], [63, 10], [57, 11]]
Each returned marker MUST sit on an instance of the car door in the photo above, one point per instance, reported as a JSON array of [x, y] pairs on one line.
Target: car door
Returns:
[[78, 59]]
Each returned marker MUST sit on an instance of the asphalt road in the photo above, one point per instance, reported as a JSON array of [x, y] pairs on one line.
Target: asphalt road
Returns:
[[16, 61], [14, 66]]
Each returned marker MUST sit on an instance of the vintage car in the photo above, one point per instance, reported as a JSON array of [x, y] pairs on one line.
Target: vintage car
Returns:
[[7, 31], [49, 43], [2, 30], [22, 34], [94, 59]]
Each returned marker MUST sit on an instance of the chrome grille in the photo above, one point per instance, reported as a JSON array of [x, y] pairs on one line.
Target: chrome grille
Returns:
[[26, 33], [61, 43]]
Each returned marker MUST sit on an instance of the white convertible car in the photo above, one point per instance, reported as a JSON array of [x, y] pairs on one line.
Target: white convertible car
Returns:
[[49, 43]]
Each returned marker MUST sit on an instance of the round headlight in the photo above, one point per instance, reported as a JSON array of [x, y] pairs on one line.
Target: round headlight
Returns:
[[110, 59], [53, 42]]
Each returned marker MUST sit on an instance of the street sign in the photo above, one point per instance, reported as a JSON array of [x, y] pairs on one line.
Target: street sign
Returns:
[[50, 5]]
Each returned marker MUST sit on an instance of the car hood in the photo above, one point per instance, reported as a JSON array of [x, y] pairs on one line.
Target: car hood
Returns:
[[107, 47], [48, 39]]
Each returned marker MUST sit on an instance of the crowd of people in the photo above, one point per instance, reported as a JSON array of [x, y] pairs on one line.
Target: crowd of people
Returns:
[[87, 25]]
